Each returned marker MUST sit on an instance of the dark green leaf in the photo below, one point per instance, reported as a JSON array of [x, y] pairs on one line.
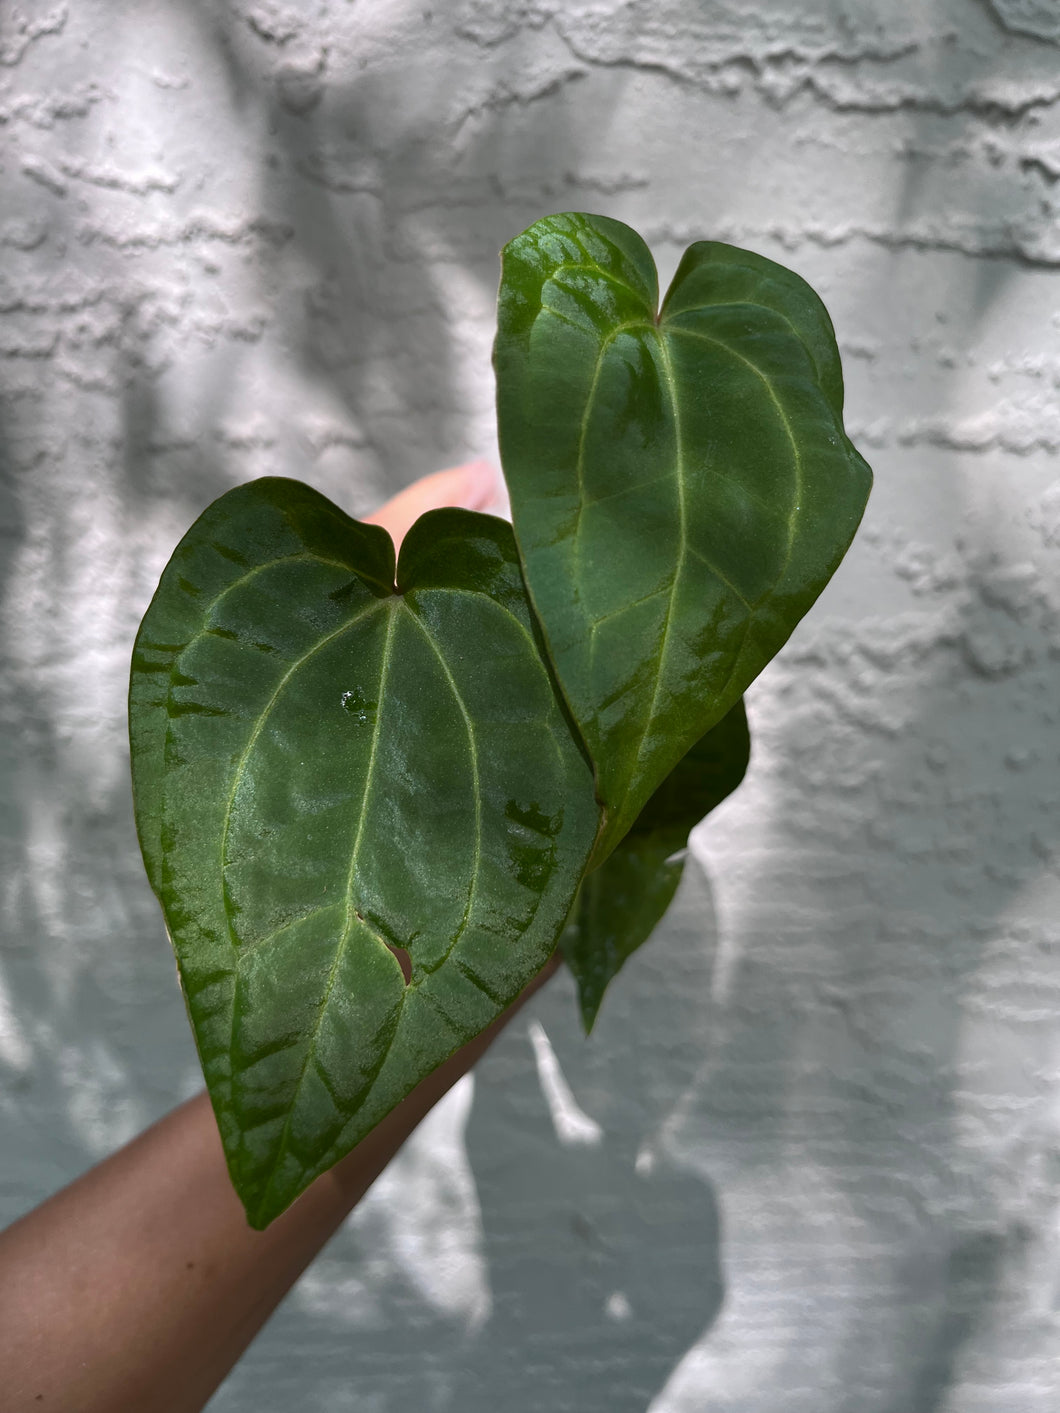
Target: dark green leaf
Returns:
[[682, 487], [337, 780], [620, 902]]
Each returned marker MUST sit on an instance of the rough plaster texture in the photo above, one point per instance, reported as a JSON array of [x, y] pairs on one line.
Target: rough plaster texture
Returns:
[[811, 1159]]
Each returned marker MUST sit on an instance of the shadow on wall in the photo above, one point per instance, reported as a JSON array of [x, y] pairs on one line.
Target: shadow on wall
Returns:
[[857, 1104], [397, 212], [604, 1255], [604, 1258], [591, 1260], [609, 1271], [354, 197]]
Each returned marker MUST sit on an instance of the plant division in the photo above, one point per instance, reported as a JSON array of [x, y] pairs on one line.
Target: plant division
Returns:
[[372, 796]]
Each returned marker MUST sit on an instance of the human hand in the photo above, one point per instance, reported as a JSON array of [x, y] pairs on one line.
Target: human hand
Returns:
[[475, 485]]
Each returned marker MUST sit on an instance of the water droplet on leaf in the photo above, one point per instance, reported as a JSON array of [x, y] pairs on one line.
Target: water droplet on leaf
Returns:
[[358, 707]]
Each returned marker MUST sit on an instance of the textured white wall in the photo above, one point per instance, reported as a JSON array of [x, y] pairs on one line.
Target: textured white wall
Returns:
[[817, 1165]]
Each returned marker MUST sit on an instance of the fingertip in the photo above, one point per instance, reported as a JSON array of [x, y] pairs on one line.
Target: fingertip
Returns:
[[474, 485]]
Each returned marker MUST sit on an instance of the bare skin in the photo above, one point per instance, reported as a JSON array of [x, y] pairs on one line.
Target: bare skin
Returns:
[[139, 1286]]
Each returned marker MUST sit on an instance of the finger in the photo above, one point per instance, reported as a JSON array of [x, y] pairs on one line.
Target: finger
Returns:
[[473, 486]]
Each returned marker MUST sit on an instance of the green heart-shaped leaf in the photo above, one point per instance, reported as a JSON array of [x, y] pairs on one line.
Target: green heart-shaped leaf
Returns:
[[620, 902], [336, 780], [681, 484]]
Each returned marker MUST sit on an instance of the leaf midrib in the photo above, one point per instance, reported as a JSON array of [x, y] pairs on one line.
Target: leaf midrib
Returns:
[[660, 331], [682, 513], [398, 604], [796, 455], [351, 918], [473, 755], [259, 726]]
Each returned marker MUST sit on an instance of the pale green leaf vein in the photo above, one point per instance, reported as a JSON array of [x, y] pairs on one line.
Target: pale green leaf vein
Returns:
[[598, 623], [238, 776], [259, 942], [608, 275], [259, 724], [583, 433], [251, 574], [472, 748], [748, 304], [351, 915], [682, 516], [722, 578], [782, 412]]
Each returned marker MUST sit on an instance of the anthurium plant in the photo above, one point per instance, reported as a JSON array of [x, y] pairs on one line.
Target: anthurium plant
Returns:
[[373, 796]]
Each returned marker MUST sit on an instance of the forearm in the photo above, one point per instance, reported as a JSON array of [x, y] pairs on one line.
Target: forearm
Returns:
[[140, 1285]]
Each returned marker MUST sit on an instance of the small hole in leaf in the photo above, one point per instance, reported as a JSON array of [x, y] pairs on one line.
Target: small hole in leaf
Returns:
[[404, 962]]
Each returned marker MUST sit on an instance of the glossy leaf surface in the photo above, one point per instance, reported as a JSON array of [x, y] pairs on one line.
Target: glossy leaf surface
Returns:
[[335, 777], [681, 484], [620, 903]]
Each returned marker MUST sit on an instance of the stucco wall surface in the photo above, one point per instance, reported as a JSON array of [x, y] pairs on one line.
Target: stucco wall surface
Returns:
[[810, 1160]]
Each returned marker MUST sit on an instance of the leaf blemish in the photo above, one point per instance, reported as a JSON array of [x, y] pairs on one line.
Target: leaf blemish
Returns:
[[404, 962], [403, 958]]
